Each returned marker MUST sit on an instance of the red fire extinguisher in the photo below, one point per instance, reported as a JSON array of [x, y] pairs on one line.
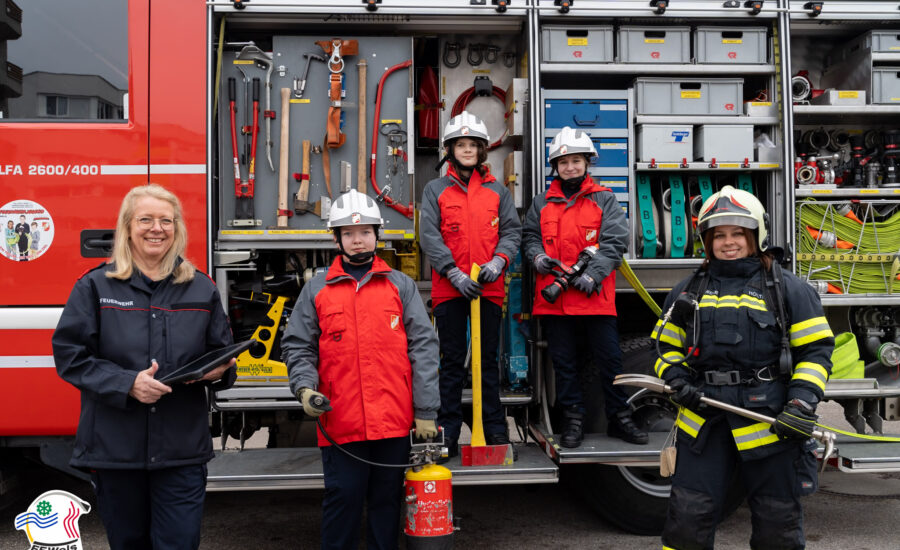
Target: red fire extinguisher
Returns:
[[429, 508]]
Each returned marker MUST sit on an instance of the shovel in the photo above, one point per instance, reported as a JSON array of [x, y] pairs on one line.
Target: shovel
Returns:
[[656, 385]]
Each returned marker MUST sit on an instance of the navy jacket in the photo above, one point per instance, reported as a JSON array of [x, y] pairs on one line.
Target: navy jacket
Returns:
[[111, 329]]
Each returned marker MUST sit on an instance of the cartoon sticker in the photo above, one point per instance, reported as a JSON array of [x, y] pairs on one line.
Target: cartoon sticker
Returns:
[[51, 521], [27, 230]]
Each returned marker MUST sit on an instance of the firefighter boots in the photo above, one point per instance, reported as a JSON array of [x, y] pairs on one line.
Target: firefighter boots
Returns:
[[502, 439], [622, 426], [573, 428]]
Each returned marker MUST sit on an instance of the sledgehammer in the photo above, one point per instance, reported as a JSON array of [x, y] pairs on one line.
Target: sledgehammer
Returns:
[[655, 384], [478, 453]]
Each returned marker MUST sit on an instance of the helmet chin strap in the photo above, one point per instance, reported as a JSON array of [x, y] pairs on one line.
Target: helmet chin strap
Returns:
[[360, 258], [572, 182]]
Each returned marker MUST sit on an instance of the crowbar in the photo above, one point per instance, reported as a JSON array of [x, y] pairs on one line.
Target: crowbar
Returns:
[[654, 384]]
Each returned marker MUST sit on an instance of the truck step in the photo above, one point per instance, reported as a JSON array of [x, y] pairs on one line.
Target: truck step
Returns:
[[301, 468], [602, 449], [279, 397], [857, 456]]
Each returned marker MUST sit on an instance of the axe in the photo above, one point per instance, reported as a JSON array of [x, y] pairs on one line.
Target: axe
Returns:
[[301, 199], [656, 385]]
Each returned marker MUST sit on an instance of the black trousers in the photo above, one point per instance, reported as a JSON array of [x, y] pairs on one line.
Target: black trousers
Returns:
[[570, 341], [774, 485], [151, 509], [451, 319], [349, 483]]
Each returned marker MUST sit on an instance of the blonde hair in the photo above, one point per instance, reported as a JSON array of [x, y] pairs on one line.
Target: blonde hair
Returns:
[[121, 254]]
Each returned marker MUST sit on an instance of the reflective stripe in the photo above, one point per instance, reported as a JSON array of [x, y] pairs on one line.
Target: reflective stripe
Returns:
[[18, 318], [811, 372], [810, 330], [27, 361], [661, 366], [672, 334], [144, 169], [753, 436], [689, 421], [744, 300]]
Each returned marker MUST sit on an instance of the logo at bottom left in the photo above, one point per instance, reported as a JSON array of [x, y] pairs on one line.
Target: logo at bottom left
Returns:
[[51, 521]]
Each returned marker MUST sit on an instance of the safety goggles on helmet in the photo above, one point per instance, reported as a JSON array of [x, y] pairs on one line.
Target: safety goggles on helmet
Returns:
[[467, 125], [732, 206], [354, 208], [570, 142]]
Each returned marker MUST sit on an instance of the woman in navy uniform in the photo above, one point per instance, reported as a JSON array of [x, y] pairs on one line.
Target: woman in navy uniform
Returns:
[[128, 322], [763, 344]]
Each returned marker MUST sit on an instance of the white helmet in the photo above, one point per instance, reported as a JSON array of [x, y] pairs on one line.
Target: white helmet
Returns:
[[571, 142], [354, 208], [732, 206], [465, 124]]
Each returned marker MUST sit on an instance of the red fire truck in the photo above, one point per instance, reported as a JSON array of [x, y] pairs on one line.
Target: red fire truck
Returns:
[[98, 98]]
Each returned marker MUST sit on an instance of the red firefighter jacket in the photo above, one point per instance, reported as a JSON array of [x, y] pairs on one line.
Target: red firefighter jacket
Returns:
[[561, 228], [369, 347], [463, 225]]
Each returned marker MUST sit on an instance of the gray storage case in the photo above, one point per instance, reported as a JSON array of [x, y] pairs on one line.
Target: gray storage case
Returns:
[[689, 96], [724, 142], [654, 44], [665, 142], [577, 44], [743, 45]]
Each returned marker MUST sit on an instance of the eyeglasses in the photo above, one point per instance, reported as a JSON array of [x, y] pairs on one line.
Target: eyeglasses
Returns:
[[148, 222]]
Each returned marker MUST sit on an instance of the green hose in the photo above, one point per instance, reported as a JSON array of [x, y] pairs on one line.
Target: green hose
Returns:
[[871, 237]]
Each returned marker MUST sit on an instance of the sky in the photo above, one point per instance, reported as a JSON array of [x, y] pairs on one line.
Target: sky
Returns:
[[73, 36]]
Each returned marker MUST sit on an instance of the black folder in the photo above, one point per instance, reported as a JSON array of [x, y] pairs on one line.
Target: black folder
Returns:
[[205, 363]]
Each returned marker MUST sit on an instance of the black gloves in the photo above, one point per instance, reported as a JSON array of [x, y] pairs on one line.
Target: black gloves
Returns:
[[686, 394], [797, 420], [585, 283]]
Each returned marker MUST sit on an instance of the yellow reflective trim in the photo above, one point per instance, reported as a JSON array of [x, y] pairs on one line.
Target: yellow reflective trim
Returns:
[[809, 378], [813, 367], [672, 334], [689, 421], [753, 436], [660, 366], [744, 300], [810, 330]]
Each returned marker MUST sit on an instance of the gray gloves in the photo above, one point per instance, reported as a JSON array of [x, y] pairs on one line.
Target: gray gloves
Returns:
[[491, 270], [586, 284], [542, 264], [464, 284], [314, 403]]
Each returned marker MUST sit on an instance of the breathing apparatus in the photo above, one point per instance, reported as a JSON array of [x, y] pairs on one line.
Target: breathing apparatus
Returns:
[[729, 206], [354, 208]]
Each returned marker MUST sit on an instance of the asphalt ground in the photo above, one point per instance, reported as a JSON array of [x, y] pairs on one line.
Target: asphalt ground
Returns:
[[850, 512]]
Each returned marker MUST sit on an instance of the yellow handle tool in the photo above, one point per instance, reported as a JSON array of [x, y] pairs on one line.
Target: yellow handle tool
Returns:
[[475, 328]]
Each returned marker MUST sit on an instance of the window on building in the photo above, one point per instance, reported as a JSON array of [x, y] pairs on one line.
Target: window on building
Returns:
[[64, 60], [57, 105]]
